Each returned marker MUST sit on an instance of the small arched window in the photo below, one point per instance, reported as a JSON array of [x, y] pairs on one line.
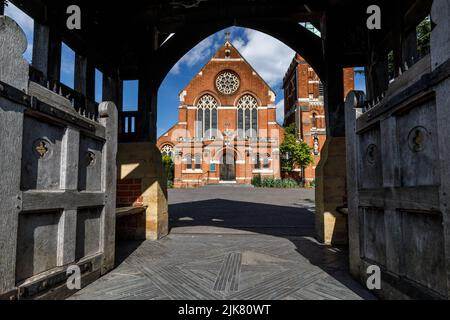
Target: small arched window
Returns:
[[247, 118], [206, 117], [314, 120], [198, 161], [167, 150], [321, 89], [188, 159], [266, 161]]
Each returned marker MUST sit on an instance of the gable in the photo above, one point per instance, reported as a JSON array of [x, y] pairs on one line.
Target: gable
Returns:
[[227, 60]]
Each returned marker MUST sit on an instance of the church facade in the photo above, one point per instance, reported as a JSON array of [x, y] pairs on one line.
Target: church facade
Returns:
[[227, 131]]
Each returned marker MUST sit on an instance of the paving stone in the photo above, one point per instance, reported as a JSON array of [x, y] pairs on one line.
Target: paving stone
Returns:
[[287, 263]]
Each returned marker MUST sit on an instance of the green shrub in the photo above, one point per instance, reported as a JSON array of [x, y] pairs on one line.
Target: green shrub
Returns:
[[259, 182], [256, 181]]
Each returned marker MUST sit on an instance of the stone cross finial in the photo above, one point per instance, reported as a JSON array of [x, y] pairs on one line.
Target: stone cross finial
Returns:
[[227, 36]]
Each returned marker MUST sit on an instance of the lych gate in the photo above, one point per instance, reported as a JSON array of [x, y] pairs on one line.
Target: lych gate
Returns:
[[58, 185]]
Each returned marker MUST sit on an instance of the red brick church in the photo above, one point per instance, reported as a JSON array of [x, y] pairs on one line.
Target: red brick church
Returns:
[[227, 131], [304, 106]]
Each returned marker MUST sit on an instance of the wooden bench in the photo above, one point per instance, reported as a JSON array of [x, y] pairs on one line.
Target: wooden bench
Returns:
[[131, 223], [129, 211]]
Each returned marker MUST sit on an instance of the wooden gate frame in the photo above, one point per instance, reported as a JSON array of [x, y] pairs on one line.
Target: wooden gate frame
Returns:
[[427, 82], [21, 99]]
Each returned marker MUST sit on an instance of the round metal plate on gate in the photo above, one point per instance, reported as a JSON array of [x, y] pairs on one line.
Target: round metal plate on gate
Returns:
[[417, 138], [41, 148], [371, 154]]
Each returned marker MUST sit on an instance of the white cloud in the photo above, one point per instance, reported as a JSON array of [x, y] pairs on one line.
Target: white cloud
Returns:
[[204, 49], [270, 57], [280, 112]]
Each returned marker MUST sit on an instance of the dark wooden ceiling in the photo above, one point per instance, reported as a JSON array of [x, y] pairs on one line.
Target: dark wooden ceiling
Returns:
[[122, 34]]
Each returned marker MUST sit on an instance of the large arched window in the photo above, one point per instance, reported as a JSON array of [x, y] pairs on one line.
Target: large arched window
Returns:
[[198, 162], [206, 117], [247, 118]]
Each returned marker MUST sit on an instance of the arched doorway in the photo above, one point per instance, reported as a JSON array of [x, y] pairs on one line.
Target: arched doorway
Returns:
[[228, 167]]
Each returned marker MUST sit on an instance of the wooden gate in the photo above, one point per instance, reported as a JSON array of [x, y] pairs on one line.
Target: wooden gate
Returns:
[[58, 180], [398, 165]]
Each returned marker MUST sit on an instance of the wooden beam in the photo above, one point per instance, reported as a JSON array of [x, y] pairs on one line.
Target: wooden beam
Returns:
[[47, 51], [84, 77], [113, 90], [40, 47]]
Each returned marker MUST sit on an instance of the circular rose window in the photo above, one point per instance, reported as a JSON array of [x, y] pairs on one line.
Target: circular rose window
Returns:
[[227, 82]]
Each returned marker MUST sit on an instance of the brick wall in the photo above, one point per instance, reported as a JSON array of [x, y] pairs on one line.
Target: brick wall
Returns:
[[310, 105], [129, 193]]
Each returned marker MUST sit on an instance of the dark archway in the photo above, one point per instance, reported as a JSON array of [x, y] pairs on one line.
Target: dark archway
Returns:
[[302, 41]]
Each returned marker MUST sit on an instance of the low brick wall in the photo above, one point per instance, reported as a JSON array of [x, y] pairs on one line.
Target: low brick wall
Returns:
[[129, 193]]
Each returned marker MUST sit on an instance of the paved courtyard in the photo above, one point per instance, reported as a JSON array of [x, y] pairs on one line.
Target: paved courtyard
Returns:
[[232, 243]]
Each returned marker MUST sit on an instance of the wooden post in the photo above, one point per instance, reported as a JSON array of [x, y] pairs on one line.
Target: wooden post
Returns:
[[85, 82], [109, 119], [84, 77], [14, 71], [334, 99], [440, 55], [40, 47], [397, 38], [47, 51], [54, 57], [409, 48], [112, 90], [352, 112]]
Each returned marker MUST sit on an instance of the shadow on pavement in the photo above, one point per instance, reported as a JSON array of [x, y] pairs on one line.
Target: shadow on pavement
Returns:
[[290, 222]]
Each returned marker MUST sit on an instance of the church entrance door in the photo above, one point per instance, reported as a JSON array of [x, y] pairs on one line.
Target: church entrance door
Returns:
[[228, 167]]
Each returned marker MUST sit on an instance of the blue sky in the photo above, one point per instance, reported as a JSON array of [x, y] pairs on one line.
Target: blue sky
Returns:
[[268, 56]]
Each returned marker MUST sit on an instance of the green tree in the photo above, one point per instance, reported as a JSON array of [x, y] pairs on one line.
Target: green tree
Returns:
[[300, 154], [169, 167], [423, 31], [423, 36]]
